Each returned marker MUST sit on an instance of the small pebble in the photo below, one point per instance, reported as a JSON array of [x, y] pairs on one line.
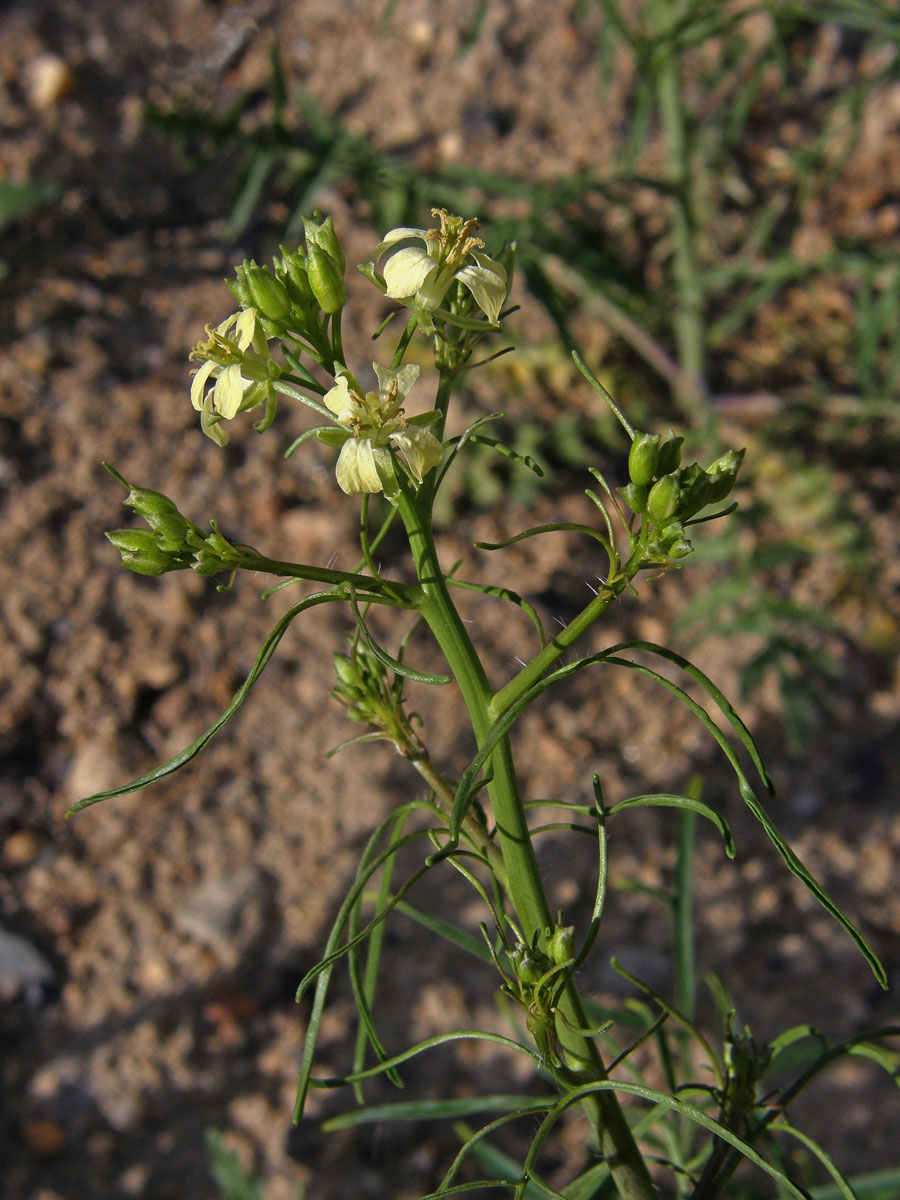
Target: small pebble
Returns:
[[47, 81], [24, 971], [44, 1137]]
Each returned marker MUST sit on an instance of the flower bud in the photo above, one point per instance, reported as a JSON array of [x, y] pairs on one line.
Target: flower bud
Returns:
[[669, 455], [321, 233], [325, 279], [170, 530], [268, 294], [147, 503], [561, 944], [347, 671], [140, 552], [722, 475], [663, 501], [530, 965], [642, 458], [634, 496], [291, 270]]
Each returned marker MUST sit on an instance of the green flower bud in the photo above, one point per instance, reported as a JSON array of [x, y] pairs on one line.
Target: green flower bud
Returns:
[[679, 548], [140, 552], [530, 965], [642, 458], [347, 671], [561, 944], [291, 270], [669, 455], [663, 501], [171, 530], [695, 490], [239, 286], [268, 294], [325, 279], [321, 233], [147, 503], [634, 496], [722, 475], [207, 563]]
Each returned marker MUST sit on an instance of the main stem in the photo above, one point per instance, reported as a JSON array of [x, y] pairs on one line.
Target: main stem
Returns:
[[523, 881]]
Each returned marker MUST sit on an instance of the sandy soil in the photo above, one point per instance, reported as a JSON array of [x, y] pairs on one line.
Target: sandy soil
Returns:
[[174, 925]]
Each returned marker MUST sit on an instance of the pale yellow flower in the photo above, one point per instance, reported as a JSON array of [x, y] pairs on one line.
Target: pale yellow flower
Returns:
[[375, 422], [421, 276], [227, 395]]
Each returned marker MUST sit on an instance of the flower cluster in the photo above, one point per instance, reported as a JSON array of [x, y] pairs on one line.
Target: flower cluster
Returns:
[[298, 305], [171, 542]]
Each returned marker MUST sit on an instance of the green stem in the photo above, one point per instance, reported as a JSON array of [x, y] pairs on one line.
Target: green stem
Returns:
[[404, 593], [544, 659], [524, 886]]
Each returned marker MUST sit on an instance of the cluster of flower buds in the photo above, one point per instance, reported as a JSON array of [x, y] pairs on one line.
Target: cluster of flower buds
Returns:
[[305, 284], [668, 496], [369, 697], [172, 542]]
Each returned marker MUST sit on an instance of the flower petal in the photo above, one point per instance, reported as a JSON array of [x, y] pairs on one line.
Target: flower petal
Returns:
[[229, 391], [486, 280], [406, 271], [421, 449], [343, 403], [401, 234], [211, 424], [356, 467], [245, 327], [406, 376], [198, 384]]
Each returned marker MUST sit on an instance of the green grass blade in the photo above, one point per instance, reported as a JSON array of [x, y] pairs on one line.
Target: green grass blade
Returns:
[[845, 1191], [438, 1110], [876, 1185]]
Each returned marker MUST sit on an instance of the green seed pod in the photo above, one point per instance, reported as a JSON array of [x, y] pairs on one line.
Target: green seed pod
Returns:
[[642, 458], [268, 294], [325, 279], [664, 498], [669, 455], [634, 496]]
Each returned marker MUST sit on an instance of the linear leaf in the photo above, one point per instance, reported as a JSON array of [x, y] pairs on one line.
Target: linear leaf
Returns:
[[184, 756]]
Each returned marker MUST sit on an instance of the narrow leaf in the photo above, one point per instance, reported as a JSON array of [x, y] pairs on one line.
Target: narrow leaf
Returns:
[[184, 756]]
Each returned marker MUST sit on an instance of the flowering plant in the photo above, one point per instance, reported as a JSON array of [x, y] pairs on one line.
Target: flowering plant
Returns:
[[721, 1106]]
